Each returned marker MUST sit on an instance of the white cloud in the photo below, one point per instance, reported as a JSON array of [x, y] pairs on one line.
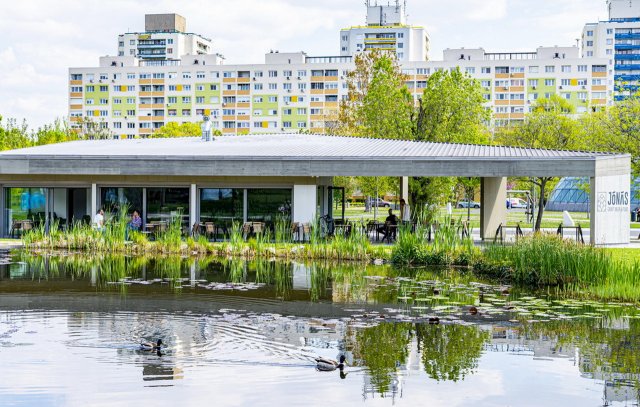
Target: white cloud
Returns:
[[43, 38]]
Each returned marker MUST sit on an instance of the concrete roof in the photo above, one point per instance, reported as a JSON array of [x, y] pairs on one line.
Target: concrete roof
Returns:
[[295, 155]]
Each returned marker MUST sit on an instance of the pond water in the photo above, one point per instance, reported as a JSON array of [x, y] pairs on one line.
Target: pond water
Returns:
[[246, 333]]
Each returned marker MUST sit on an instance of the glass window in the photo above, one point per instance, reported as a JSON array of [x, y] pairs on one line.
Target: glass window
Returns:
[[24, 204], [265, 204], [111, 199], [165, 203], [221, 206]]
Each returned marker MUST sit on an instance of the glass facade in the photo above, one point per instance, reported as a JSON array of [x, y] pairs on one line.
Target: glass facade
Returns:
[[165, 203], [572, 194], [112, 198], [264, 205], [24, 204], [222, 206]]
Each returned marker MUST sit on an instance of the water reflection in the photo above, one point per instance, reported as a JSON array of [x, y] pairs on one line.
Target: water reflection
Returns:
[[264, 322]]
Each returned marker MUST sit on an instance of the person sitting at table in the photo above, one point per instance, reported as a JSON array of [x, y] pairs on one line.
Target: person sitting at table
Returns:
[[98, 220], [136, 222], [389, 227]]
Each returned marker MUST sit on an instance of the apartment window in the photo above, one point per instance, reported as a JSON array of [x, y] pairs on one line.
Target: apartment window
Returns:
[[302, 124], [228, 74], [117, 113], [566, 68], [200, 87], [599, 68], [302, 73], [486, 84], [89, 101], [582, 68], [609, 52], [117, 101], [286, 112], [186, 99], [287, 73], [258, 74], [582, 82], [131, 125], [517, 69], [565, 82], [172, 99], [215, 74], [302, 110], [170, 41], [548, 95], [273, 74], [609, 41], [186, 75], [200, 99], [186, 112], [286, 125], [132, 42], [213, 87], [422, 71], [117, 125], [502, 69], [400, 55], [589, 33], [273, 86], [273, 99], [302, 86], [186, 87], [485, 69], [76, 89], [257, 99], [286, 86], [91, 88], [597, 82], [200, 75], [549, 82], [158, 75], [131, 112], [582, 95], [104, 88], [132, 52], [257, 86], [589, 53], [599, 95], [589, 43], [533, 83], [400, 45], [609, 31], [549, 69], [470, 70]]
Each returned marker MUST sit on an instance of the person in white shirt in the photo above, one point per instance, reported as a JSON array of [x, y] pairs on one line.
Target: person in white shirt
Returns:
[[98, 220], [405, 211]]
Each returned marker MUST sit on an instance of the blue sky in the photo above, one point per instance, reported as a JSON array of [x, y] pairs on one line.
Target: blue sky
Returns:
[[42, 38]]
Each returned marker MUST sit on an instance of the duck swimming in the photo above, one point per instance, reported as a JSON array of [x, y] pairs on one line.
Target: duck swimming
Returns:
[[328, 365], [150, 346]]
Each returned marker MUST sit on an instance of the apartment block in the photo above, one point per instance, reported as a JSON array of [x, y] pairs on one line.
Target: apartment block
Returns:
[[386, 29], [133, 95], [618, 40]]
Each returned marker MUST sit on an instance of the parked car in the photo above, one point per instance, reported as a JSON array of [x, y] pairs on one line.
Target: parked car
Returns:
[[379, 202], [468, 204], [516, 203]]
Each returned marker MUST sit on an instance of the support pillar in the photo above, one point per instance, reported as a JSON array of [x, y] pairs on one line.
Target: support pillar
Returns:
[[404, 189], [193, 206], [304, 203], [94, 200], [493, 206]]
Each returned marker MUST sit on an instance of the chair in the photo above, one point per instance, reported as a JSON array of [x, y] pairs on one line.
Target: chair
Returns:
[[258, 227], [306, 231], [295, 231], [246, 229], [27, 225], [16, 226], [210, 230]]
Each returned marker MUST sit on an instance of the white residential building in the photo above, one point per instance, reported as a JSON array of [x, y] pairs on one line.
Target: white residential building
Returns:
[[617, 40], [386, 29]]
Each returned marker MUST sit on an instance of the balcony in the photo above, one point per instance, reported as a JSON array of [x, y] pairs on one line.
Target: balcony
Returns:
[[627, 57], [627, 46], [633, 36], [627, 67], [627, 78]]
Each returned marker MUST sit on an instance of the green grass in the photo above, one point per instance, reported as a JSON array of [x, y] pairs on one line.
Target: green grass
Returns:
[[624, 255]]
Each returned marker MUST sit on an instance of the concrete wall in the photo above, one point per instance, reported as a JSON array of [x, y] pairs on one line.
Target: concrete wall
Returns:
[[610, 209], [493, 207], [304, 203]]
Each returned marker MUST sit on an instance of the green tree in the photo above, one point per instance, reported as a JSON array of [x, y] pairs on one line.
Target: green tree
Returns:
[[451, 110], [616, 129], [94, 129], [173, 129], [12, 135], [550, 125], [378, 102], [57, 132]]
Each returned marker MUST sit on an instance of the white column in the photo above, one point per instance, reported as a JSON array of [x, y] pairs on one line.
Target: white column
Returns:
[[404, 189], [610, 210], [493, 206], [193, 205], [304, 203], [94, 200]]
